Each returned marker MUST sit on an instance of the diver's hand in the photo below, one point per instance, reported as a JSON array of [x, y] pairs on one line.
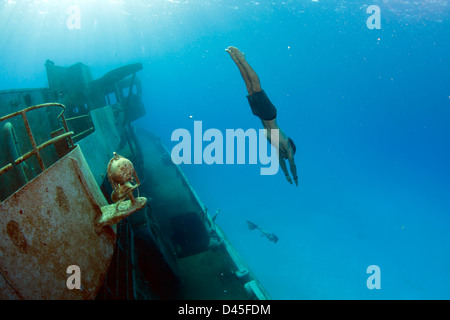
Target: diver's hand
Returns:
[[288, 178]]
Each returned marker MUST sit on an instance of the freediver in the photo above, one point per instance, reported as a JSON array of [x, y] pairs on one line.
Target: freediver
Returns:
[[263, 108], [271, 236]]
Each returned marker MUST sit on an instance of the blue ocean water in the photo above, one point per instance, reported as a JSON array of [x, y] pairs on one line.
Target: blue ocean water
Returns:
[[369, 110]]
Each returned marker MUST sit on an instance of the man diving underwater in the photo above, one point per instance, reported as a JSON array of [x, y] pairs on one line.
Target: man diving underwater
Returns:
[[266, 111], [271, 236]]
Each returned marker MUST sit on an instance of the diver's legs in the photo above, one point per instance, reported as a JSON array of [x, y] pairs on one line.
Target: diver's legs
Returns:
[[251, 74], [242, 70]]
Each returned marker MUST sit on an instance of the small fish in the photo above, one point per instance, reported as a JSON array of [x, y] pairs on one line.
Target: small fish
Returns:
[[271, 236]]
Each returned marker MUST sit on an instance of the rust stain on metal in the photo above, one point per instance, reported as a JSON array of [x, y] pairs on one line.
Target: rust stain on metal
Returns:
[[62, 200], [16, 236]]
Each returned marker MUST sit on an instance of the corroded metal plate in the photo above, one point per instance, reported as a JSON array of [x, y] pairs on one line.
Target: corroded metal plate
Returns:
[[49, 225]]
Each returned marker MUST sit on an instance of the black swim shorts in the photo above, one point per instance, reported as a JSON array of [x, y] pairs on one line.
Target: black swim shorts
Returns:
[[261, 106]]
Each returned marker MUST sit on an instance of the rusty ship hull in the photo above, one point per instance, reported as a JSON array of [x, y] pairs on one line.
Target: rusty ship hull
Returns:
[[56, 144]]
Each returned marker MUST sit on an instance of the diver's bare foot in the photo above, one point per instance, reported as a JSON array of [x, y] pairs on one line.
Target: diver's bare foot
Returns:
[[238, 54], [232, 55]]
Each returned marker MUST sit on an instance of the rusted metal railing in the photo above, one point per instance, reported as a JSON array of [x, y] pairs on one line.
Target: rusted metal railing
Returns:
[[77, 118], [36, 149]]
